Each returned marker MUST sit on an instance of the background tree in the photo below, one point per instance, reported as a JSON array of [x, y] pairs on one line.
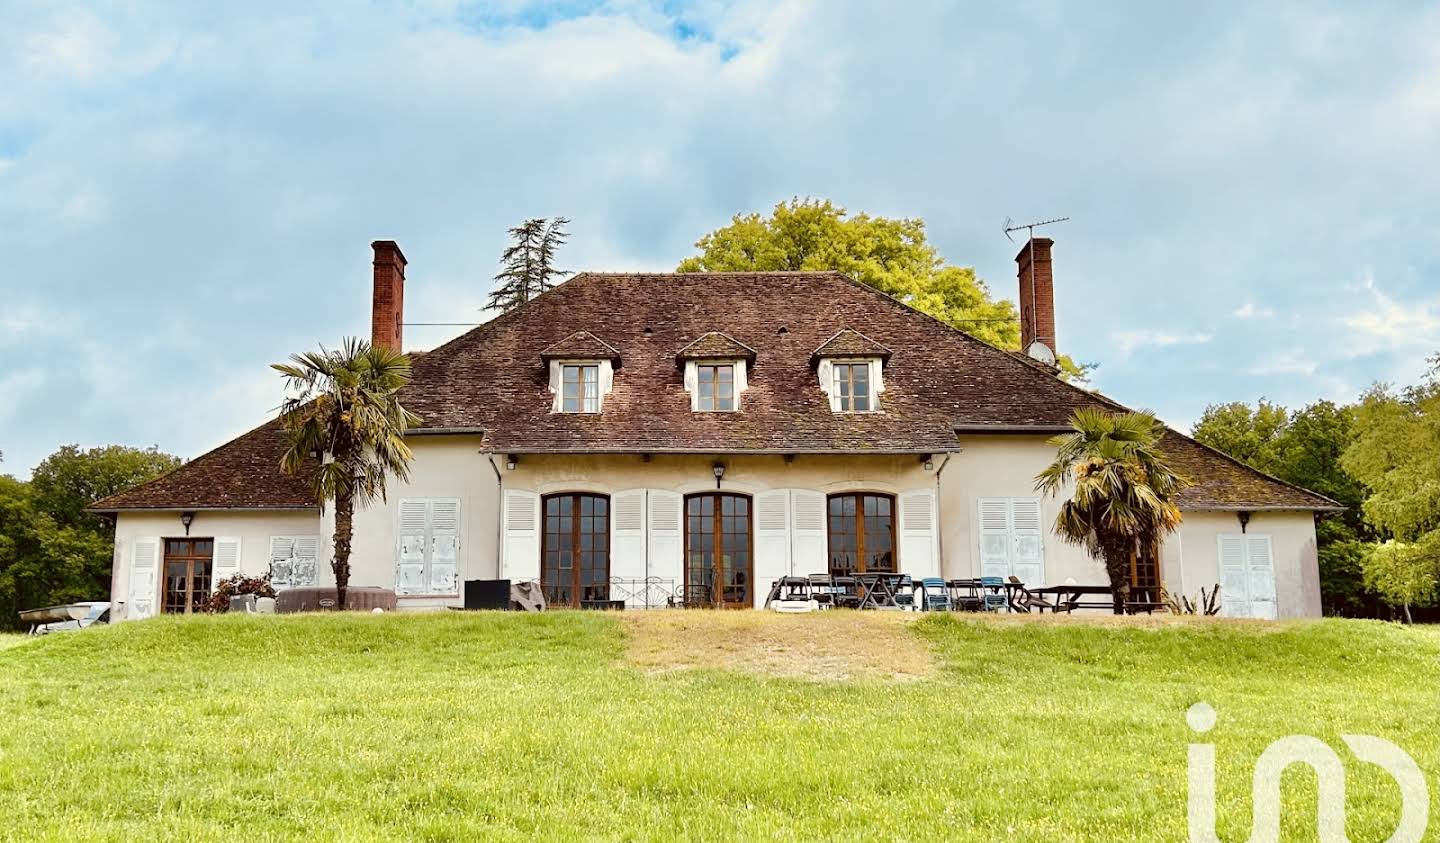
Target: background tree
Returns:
[[52, 550], [1395, 452], [891, 255], [527, 266], [1406, 574], [1249, 434], [344, 405], [1122, 498]]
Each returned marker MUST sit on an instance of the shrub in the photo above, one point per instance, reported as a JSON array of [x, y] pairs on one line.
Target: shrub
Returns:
[[236, 586]]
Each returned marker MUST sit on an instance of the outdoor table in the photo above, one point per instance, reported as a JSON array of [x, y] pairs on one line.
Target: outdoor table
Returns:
[[1068, 597], [878, 589]]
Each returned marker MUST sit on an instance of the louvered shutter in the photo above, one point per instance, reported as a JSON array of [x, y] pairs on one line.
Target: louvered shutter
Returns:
[[918, 556], [305, 560], [627, 543], [772, 541], [995, 542], [666, 527], [1260, 577], [1234, 595], [1027, 560], [226, 561], [522, 536], [282, 561], [808, 540], [444, 545], [410, 540], [144, 564]]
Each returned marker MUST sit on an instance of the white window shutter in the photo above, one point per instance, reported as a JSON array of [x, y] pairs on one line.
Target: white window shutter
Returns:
[[444, 546], [918, 556], [411, 546], [1260, 577], [144, 566], [995, 542], [772, 541], [809, 541], [306, 558], [522, 535], [1027, 560], [1234, 595], [282, 561], [627, 540], [666, 524], [226, 559]]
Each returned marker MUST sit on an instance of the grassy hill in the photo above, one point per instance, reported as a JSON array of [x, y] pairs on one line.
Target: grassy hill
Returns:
[[694, 725]]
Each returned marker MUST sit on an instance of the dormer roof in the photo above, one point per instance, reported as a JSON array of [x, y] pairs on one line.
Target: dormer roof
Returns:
[[581, 345], [716, 345], [849, 342]]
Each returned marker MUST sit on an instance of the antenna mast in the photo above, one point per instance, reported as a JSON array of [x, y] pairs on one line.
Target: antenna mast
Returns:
[[1011, 226]]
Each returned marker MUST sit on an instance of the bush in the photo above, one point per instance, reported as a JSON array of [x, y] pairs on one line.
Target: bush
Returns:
[[236, 586]]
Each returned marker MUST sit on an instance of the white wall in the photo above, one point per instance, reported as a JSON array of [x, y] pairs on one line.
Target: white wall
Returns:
[[253, 528], [1292, 540]]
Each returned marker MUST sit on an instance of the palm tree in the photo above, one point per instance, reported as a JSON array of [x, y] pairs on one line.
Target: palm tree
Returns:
[[1124, 490], [343, 408]]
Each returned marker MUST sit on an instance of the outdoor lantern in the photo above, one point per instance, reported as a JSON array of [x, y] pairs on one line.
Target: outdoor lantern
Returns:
[[187, 518], [719, 469], [510, 462]]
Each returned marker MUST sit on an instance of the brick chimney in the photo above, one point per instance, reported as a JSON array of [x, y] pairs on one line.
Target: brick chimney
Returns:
[[387, 307], [1037, 294]]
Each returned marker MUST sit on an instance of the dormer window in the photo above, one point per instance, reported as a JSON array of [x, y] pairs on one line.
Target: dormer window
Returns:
[[715, 387], [582, 372], [852, 386], [716, 372], [580, 388], [850, 367]]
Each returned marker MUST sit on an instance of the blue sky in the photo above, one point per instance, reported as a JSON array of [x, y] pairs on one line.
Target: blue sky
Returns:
[[188, 191]]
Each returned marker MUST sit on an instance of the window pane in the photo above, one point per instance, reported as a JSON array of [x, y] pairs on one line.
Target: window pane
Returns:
[[725, 403], [572, 373], [725, 374], [862, 402], [707, 374]]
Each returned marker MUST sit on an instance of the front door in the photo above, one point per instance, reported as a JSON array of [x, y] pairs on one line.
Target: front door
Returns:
[[718, 553], [576, 551], [187, 575]]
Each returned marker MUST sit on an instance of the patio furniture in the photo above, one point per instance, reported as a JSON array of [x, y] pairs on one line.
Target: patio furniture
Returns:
[[822, 590], [905, 593], [965, 595], [845, 593], [1025, 600], [932, 595], [1070, 596], [994, 595], [791, 594], [1143, 600], [878, 589]]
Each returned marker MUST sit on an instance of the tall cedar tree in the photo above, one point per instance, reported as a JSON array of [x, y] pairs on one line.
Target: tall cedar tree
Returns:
[[528, 263]]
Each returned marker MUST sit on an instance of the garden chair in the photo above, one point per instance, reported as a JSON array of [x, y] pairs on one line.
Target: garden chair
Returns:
[[822, 590], [992, 594], [1028, 600], [846, 592], [965, 595], [905, 594], [932, 595]]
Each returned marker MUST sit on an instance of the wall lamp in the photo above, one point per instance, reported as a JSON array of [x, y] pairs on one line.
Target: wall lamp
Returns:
[[511, 461], [719, 469], [187, 518]]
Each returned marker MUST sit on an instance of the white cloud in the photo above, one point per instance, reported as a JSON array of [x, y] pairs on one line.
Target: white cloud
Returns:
[[1385, 324], [1249, 310], [1128, 342]]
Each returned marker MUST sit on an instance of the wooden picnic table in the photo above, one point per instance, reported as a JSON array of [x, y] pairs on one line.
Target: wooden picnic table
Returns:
[[1069, 597]]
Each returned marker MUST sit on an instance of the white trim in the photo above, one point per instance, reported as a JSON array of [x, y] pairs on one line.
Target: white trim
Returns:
[[605, 375], [826, 372], [692, 380]]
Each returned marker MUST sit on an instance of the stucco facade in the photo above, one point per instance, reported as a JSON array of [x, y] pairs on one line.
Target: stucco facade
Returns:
[[937, 519]]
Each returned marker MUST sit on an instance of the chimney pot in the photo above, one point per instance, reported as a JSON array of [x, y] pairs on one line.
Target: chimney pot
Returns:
[[1037, 294], [387, 306]]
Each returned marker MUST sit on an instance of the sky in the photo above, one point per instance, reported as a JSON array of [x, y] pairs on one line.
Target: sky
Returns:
[[188, 191]]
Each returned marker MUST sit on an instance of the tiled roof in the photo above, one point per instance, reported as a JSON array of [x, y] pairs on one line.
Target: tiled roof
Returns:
[[581, 345], [716, 346], [851, 343], [938, 380], [241, 474]]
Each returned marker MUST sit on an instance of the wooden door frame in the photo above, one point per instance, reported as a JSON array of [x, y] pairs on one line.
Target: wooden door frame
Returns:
[[860, 495], [166, 559], [575, 568], [717, 535]]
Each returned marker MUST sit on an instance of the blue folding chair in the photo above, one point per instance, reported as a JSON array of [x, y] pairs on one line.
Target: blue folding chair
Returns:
[[905, 593], [992, 594], [932, 595]]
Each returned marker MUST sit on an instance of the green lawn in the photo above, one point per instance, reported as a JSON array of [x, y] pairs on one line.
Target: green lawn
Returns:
[[454, 726], [9, 639]]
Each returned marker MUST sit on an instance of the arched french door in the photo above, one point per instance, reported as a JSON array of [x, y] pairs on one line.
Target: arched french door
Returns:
[[862, 533], [575, 550], [719, 558]]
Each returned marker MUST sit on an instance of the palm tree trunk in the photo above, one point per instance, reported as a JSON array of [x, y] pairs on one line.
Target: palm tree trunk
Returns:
[[344, 535]]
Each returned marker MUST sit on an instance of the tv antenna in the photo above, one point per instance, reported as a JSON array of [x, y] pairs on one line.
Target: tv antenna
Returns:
[[1041, 348]]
